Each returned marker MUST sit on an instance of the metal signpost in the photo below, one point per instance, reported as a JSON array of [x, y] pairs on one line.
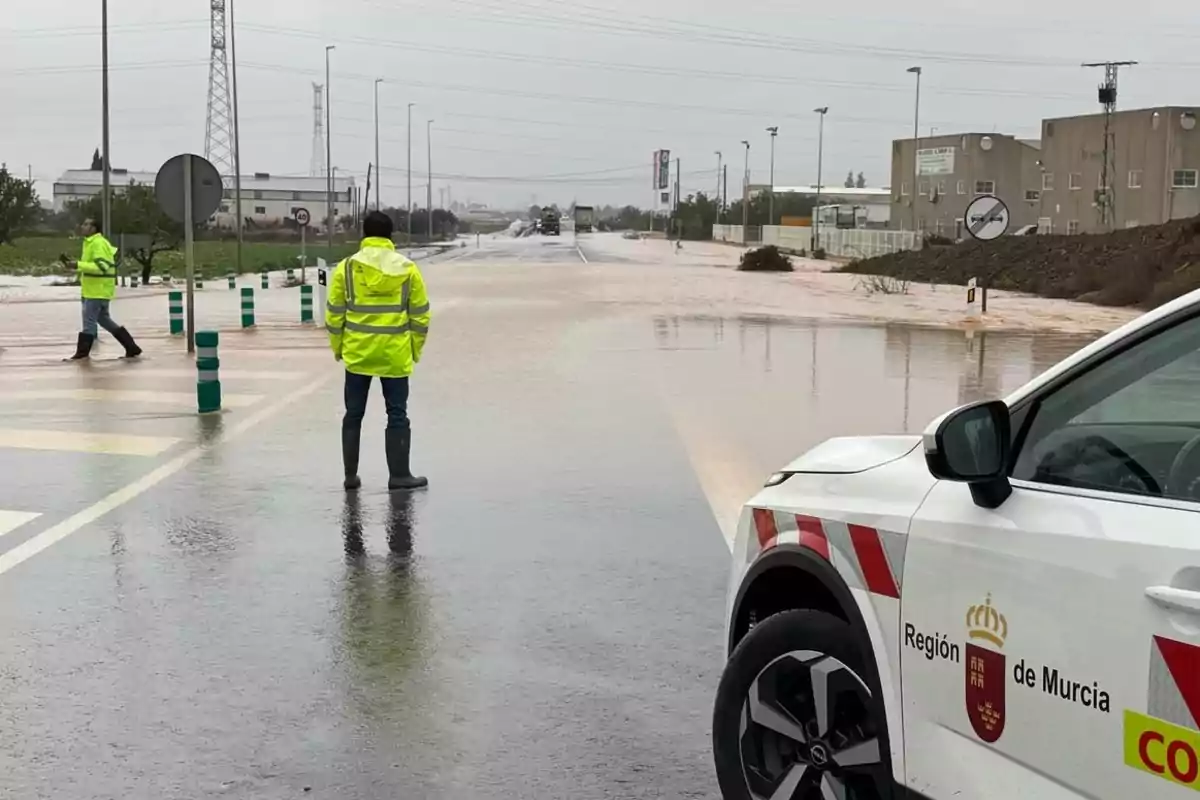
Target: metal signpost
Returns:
[[986, 218], [322, 285], [189, 190], [302, 219]]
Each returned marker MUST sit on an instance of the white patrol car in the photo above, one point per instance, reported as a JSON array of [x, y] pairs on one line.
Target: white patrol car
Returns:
[[1008, 606]]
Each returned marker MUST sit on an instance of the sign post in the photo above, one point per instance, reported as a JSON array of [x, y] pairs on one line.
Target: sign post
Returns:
[[986, 218], [302, 219], [322, 287], [189, 189]]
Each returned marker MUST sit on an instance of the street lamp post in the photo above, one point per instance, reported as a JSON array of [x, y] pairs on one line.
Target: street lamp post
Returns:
[[429, 163], [746, 194], [377, 168], [105, 193], [820, 162], [718, 154], [916, 143], [774, 131], [410, 208], [328, 154]]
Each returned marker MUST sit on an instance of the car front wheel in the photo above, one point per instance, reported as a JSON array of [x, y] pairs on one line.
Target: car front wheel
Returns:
[[794, 717]]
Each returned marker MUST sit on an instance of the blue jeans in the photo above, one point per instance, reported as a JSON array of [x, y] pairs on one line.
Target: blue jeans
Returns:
[[395, 398], [95, 312]]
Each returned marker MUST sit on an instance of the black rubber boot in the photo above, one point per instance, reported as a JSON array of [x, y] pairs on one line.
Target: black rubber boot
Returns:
[[124, 338], [83, 346], [398, 446], [350, 442]]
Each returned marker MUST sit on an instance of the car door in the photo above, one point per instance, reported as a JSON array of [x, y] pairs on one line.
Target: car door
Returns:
[[1051, 644]]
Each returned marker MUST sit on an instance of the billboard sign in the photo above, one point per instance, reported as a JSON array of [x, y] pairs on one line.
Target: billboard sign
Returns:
[[662, 178], [936, 161]]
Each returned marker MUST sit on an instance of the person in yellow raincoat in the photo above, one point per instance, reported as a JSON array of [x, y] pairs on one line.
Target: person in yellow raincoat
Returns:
[[377, 316], [97, 270]]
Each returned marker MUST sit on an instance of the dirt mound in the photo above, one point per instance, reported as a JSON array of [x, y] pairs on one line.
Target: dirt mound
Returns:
[[765, 259], [1144, 266]]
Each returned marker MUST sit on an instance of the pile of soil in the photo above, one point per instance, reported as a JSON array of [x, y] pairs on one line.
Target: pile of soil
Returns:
[[765, 259], [1143, 267]]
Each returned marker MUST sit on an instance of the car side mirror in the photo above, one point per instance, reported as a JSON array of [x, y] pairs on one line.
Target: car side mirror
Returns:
[[971, 445]]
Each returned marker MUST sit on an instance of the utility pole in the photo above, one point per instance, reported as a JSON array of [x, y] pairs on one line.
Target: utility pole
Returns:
[[746, 195], [718, 152], [823, 110], [725, 187], [237, 142], [774, 131], [328, 154], [105, 192], [1107, 94], [678, 179], [377, 168], [916, 146], [410, 208], [429, 186]]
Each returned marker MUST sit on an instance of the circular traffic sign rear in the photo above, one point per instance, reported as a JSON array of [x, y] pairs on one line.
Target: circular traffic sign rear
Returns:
[[302, 216], [207, 188], [987, 217]]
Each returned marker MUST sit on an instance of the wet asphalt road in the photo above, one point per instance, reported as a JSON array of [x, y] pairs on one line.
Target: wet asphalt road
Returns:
[[214, 617]]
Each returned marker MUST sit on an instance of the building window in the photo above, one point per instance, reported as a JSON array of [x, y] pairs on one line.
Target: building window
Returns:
[[962, 187], [258, 194], [260, 209], [941, 187], [1047, 181], [985, 187], [1183, 179], [937, 227], [1032, 195], [1076, 181], [1045, 225], [1135, 179], [1073, 226], [923, 189], [904, 189]]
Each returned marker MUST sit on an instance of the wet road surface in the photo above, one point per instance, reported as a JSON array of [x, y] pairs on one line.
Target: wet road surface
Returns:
[[191, 607]]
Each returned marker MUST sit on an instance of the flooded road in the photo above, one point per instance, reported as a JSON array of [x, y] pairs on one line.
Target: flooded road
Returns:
[[192, 607]]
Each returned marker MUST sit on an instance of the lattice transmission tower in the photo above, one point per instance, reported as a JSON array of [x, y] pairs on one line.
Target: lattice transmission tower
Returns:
[[1107, 95], [218, 132], [317, 166]]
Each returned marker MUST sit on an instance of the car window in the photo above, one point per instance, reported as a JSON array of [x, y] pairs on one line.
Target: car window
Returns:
[[1131, 424]]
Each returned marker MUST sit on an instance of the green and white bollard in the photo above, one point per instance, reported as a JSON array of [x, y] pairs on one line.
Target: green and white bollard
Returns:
[[291, 275], [133, 281], [208, 383], [264, 280], [232, 281], [247, 306], [306, 303], [175, 305]]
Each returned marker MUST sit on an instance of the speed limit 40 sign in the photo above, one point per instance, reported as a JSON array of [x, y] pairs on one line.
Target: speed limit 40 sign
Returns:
[[302, 216]]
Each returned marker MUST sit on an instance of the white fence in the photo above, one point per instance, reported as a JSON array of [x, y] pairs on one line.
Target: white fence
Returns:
[[840, 242]]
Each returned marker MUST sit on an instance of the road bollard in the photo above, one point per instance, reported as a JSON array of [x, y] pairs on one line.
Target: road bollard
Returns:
[[199, 282], [175, 306], [133, 281], [264, 280], [232, 281], [208, 384], [306, 303], [247, 306], [291, 275]]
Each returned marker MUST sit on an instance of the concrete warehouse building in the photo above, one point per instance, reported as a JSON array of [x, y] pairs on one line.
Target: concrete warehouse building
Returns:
[[1154, 169], [954, 169], [266, 200]]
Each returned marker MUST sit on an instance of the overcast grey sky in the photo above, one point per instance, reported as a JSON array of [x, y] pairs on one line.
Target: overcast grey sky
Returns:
[[523, 91]]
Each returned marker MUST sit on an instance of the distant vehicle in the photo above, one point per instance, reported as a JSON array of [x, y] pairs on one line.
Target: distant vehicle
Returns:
[[1026, 230], [585, 219], [550, 224]]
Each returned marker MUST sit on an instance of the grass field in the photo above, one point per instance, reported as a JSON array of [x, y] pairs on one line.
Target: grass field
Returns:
[[37, 255]]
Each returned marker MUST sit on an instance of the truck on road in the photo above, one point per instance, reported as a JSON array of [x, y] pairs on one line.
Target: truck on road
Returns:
[[550, 222], [585, 219]]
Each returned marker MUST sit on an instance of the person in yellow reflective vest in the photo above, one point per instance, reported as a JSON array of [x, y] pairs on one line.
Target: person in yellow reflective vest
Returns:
[[97, 268], [377, 317]]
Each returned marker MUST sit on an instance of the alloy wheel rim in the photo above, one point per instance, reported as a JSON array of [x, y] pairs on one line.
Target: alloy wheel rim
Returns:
[[807, 731]]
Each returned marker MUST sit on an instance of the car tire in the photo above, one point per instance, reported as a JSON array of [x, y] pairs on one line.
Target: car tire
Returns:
[[769, 739]]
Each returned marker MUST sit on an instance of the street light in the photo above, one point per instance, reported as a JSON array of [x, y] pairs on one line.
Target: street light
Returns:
[[774, 131], [429, 188], [105, 194], [410, 208], [916, 143], [820, 160], [746, 193], [328, 154], [718, 154], [377, 173]]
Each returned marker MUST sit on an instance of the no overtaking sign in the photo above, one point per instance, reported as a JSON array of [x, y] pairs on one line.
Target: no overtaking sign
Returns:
[[987, 218]]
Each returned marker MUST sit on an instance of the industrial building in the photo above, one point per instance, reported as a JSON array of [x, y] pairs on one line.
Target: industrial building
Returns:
[[952, 170], [266, 200], [1153, 167]]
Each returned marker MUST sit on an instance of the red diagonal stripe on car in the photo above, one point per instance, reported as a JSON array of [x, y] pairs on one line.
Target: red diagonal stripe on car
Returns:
[[764, 524], [873, 561], [1183, 660], [812, 535]]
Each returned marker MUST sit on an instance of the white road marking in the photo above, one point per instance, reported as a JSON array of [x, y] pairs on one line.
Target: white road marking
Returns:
[[84, 442], [143, 372], [128, 396], [582, 257], [11, 520], [56, 533]]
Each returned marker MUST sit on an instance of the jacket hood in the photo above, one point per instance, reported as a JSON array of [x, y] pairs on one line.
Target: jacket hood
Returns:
[[378, 268]]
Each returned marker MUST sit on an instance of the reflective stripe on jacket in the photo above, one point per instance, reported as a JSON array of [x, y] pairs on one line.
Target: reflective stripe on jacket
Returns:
[[97, 268], [377, 313]]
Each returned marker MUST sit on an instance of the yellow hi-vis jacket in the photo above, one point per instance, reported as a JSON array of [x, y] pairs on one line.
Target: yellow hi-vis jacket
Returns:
[[377, 313], [97, 268]]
